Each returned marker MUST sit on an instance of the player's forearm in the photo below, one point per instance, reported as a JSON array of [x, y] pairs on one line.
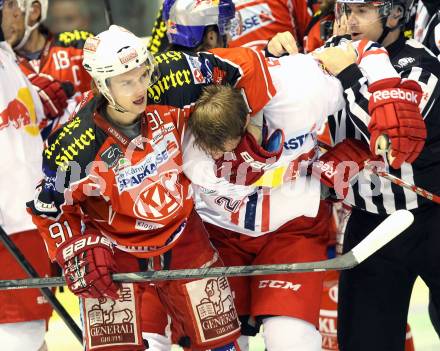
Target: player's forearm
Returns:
[[56, 232], [57, 216]]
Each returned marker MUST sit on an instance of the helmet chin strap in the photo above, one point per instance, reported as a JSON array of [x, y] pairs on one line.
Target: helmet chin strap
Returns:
[[224, 41], [113, 104], [385, 32], [386, 29], [118, 108]]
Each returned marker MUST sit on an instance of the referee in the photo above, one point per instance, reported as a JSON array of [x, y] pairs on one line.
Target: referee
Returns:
[[374, 297]]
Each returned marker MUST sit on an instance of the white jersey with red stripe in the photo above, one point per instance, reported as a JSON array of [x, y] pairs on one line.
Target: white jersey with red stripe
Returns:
[[20, 143], [299, 108]]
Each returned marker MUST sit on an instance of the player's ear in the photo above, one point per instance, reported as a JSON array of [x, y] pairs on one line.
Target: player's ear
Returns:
[[35, 13], [395, 16], [210, 38], [248, 119]]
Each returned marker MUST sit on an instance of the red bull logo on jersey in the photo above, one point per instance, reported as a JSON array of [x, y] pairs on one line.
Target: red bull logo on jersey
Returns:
[[20, 113], [15, 115], [255, 17]]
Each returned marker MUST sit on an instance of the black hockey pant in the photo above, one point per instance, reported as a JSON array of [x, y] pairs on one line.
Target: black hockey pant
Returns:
[[374, 296]]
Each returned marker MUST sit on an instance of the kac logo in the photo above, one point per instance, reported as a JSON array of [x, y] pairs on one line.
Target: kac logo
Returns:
[[161, 199]]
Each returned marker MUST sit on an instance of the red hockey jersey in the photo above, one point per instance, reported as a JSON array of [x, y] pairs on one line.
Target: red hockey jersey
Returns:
[[61, 58], [134, 191], [262, 19]]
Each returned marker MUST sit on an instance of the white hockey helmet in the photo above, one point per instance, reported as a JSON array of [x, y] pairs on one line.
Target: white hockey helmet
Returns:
[[25, 6], [114, 52]]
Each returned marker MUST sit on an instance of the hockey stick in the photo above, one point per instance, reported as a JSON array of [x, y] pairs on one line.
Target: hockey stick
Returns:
[[383, 147], [384, 232], [400, 182], [47, 293], [108, 13], [395, 180]]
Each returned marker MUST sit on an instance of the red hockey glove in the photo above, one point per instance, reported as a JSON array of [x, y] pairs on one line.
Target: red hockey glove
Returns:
[[394, 110], [88, 264], [339, 165], [248, 162], [53, 93]]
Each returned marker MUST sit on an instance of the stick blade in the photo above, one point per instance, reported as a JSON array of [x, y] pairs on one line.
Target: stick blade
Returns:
[[391, 227]]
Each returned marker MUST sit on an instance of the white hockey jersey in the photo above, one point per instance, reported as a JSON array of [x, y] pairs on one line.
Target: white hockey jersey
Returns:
[[20, 144], [305, 97]]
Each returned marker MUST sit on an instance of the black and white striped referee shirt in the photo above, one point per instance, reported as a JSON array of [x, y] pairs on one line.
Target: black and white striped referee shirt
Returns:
[[377, 195]]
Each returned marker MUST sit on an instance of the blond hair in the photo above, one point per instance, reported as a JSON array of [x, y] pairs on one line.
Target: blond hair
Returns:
[[220, 115]]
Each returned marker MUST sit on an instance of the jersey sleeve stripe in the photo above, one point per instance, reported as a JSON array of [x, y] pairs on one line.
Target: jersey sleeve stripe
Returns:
[[270, 90], [265, 216], [235, 217], [251, 212]]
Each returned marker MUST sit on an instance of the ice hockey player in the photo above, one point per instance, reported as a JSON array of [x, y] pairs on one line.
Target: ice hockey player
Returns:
[[382, 311], [244, 217], [139, 213], [52, 62], [252, 25], [24, 314]]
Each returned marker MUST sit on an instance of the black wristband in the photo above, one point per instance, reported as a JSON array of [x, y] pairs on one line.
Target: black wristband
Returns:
[[349, 75]]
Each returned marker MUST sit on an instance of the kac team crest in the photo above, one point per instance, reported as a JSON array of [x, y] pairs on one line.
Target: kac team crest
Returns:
[[160, 199]]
